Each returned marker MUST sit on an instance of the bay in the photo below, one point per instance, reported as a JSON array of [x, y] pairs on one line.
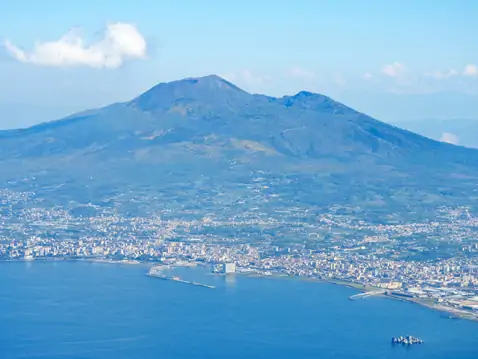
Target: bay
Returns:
[[89, 310]]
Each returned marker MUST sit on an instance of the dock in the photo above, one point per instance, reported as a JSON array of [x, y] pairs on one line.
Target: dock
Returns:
[[367, 294], [157, 273]]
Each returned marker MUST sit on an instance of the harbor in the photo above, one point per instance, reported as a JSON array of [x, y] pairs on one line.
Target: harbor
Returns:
[[157, 272]]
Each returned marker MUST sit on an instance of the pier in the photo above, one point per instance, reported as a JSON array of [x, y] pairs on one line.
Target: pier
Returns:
[[366, 294], [157, 273]]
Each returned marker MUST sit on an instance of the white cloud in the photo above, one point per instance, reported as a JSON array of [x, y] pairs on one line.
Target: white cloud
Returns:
[[367, 76], [393, 70], [443, 75], [449, 138], [121, 41], [470, 70], [300, 73]]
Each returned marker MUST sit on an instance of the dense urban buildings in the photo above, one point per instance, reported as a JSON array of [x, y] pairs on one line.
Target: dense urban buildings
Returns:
[[433, 262]]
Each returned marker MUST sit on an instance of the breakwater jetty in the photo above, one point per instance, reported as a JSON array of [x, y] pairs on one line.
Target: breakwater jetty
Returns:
[[157, 273], [408, 340], [367, 294]]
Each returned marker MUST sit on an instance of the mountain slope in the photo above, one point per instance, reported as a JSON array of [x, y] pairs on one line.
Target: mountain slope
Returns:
[[206, 133], [305, 125]]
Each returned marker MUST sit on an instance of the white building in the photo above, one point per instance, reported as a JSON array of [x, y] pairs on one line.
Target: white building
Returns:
[[229, 268]]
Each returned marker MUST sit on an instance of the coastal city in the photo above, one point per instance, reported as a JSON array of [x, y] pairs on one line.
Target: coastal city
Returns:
[[433, 263], [238, 179]]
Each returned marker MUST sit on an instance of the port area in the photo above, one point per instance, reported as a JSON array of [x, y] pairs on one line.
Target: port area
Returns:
[[408, 340], [157, 272]]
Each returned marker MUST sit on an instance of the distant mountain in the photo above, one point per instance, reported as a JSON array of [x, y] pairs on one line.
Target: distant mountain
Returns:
[[463, 132], [200, 140]]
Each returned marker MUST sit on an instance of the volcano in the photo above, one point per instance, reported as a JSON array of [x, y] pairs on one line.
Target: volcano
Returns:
[[201, 136]]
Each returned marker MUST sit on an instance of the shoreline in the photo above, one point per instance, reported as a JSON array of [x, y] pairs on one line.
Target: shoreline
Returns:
[[455, 313]]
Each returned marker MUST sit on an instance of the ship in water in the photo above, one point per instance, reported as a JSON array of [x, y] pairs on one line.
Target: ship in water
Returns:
[[155, 272], [408, 340]]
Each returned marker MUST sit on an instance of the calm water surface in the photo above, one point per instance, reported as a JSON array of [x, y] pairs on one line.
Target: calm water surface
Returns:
[[85, 310]]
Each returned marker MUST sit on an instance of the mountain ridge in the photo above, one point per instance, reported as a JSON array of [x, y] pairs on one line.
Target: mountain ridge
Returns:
[[167, 96], [186, 130]]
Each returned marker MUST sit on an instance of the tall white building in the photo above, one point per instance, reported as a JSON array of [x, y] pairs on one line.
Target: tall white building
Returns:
[[229, 268]]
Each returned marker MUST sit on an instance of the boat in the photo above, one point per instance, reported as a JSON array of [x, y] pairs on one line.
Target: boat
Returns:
[[408, 340]]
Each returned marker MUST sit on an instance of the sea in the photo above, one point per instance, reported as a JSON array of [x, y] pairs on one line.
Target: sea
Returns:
[[85, 310]]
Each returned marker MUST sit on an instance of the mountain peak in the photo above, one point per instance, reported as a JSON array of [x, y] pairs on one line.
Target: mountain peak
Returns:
[[307, 94], [209, 90], [210, 80], [316, 102]]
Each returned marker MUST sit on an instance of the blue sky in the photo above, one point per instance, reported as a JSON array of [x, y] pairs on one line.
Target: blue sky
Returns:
[[378, 56]]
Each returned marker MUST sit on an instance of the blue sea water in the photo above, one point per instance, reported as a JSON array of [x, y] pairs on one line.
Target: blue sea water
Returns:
[[83, 310]]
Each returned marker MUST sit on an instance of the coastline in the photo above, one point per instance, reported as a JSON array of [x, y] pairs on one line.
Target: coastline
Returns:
[[454, 312], [89, 260]]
